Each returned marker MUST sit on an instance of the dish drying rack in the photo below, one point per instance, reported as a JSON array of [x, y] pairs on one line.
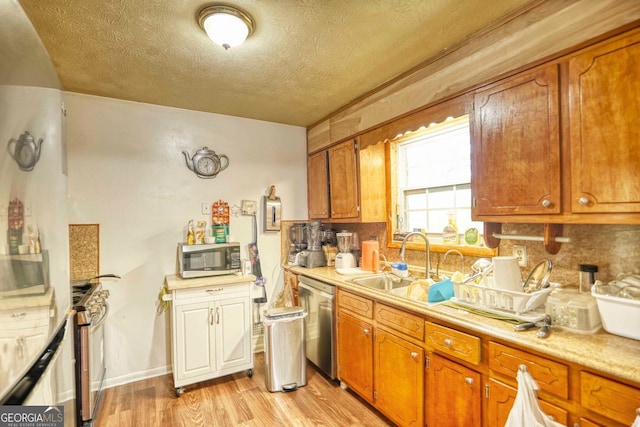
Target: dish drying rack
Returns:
[[519, 305]]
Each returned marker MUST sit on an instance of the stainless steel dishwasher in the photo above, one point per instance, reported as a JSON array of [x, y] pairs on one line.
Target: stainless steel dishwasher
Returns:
[[317, 298]]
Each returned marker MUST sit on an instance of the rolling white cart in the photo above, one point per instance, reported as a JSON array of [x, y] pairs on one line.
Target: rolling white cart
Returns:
[[211, 330]]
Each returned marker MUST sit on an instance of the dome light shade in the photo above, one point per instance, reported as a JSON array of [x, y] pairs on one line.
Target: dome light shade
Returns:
[[225, 25]]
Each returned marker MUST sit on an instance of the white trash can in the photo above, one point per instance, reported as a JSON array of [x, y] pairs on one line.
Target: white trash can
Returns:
[[284, 353]]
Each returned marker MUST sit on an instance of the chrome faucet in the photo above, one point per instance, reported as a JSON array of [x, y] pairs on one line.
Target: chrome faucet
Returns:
[[427, 272], [455, 251]]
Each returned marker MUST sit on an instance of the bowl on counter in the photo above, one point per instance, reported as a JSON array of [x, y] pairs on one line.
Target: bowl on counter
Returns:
[[620, 316]]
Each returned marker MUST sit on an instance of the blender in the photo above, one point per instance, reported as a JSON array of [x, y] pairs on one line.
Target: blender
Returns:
[[298, 239], [344, 258], [313, 256]]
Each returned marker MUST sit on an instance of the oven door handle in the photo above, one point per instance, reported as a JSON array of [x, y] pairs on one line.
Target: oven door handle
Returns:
[[102, 319]]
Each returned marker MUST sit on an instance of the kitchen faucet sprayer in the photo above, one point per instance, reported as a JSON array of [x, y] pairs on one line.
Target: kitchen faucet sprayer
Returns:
[[427, 272]]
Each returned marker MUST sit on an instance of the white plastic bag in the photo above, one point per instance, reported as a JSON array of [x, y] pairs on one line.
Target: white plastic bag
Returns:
[[526, 411]]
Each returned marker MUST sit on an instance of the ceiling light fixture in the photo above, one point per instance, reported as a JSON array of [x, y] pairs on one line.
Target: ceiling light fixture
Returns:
[[225, 25]]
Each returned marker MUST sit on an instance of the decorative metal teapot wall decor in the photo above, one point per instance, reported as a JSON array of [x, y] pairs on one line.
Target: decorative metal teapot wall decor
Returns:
[[206, 163], [26, 151]]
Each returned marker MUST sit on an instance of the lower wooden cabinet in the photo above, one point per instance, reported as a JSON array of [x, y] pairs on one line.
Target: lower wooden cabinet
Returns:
[[454, 394], [609, 398], [355, 354], [500, 399], [291, 279], [399, 379], [468, 379]]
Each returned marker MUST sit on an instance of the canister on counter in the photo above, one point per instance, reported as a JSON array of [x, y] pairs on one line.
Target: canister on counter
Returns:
[[587, 276], [220, 232]]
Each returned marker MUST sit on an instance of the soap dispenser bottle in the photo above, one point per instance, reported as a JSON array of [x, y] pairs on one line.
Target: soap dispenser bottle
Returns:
[[450, 232]]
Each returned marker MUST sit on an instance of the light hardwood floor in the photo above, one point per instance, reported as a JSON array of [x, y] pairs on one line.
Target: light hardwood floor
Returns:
[[235, 400]]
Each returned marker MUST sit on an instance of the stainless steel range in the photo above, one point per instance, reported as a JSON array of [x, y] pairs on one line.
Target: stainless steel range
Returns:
[[90, 302]]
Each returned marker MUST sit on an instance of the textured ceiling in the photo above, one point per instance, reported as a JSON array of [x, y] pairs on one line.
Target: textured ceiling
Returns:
[[305, 59]]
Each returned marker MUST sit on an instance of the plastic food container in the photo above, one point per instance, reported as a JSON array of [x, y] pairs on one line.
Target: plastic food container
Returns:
[[620, 316], [574, 311]]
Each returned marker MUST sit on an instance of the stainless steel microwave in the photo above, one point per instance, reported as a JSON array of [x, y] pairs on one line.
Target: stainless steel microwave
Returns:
[[208, 259]]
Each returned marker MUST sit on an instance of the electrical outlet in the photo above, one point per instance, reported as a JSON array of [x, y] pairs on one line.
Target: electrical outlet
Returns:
[[206, 208], [521, 253]]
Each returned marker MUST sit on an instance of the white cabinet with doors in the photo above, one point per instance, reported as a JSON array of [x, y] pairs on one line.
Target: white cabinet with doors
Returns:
[[210, 328]]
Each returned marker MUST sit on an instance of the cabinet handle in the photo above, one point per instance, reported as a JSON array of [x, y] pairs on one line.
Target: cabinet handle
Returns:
[[448, 342], [213, 291], [414, 355], [19, 316], [546, 203], [366, 331], [469, 380], [583, 201], [211, 316], [217, 315]]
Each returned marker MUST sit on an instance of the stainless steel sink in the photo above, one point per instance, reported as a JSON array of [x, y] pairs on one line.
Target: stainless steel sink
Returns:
[[383, 282]]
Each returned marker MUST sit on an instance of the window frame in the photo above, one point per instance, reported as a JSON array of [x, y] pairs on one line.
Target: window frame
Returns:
[[437, 113]]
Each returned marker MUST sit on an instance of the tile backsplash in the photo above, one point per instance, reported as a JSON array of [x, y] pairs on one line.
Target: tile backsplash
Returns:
[[613, 248], [84, 251]]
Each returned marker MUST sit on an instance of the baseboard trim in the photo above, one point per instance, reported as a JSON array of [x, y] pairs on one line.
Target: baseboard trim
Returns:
[[258, 347], [137, 376]]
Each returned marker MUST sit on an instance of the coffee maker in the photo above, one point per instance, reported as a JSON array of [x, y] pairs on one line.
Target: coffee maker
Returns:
[[313, 255], [298, 238]]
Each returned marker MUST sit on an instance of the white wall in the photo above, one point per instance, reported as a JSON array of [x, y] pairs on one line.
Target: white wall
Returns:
[[127, 173]]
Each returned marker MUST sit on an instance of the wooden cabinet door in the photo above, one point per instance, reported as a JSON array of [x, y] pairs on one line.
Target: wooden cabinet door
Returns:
[[515, 160], [453, 394], [500, 401], [604, 89], [343, 178], [399, 379], [194, 347], [233, 333], [291, 280], [318, 185], [355, 354]]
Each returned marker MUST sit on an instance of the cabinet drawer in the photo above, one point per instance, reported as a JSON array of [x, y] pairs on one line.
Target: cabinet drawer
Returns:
[[551, 376], [24, 318], [210, 291], [355, 304], [454, 343], [408, 324], [609, 398]]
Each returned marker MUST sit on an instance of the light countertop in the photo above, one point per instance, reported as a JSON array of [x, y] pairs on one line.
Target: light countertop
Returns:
[[601, 351]]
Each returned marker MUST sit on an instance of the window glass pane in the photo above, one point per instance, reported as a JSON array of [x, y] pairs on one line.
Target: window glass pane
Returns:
[[437, 221], [433, 178], [416, 220], [441, 198], [463, 197], [416, 201]]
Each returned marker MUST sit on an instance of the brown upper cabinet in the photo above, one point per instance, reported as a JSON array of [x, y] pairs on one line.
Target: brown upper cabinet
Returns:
[[604, 94], [516, 145], [347, 183], [559, 143], [318, 185]]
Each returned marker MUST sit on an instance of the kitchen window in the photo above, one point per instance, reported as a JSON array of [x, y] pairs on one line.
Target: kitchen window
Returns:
[[431, 174]]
